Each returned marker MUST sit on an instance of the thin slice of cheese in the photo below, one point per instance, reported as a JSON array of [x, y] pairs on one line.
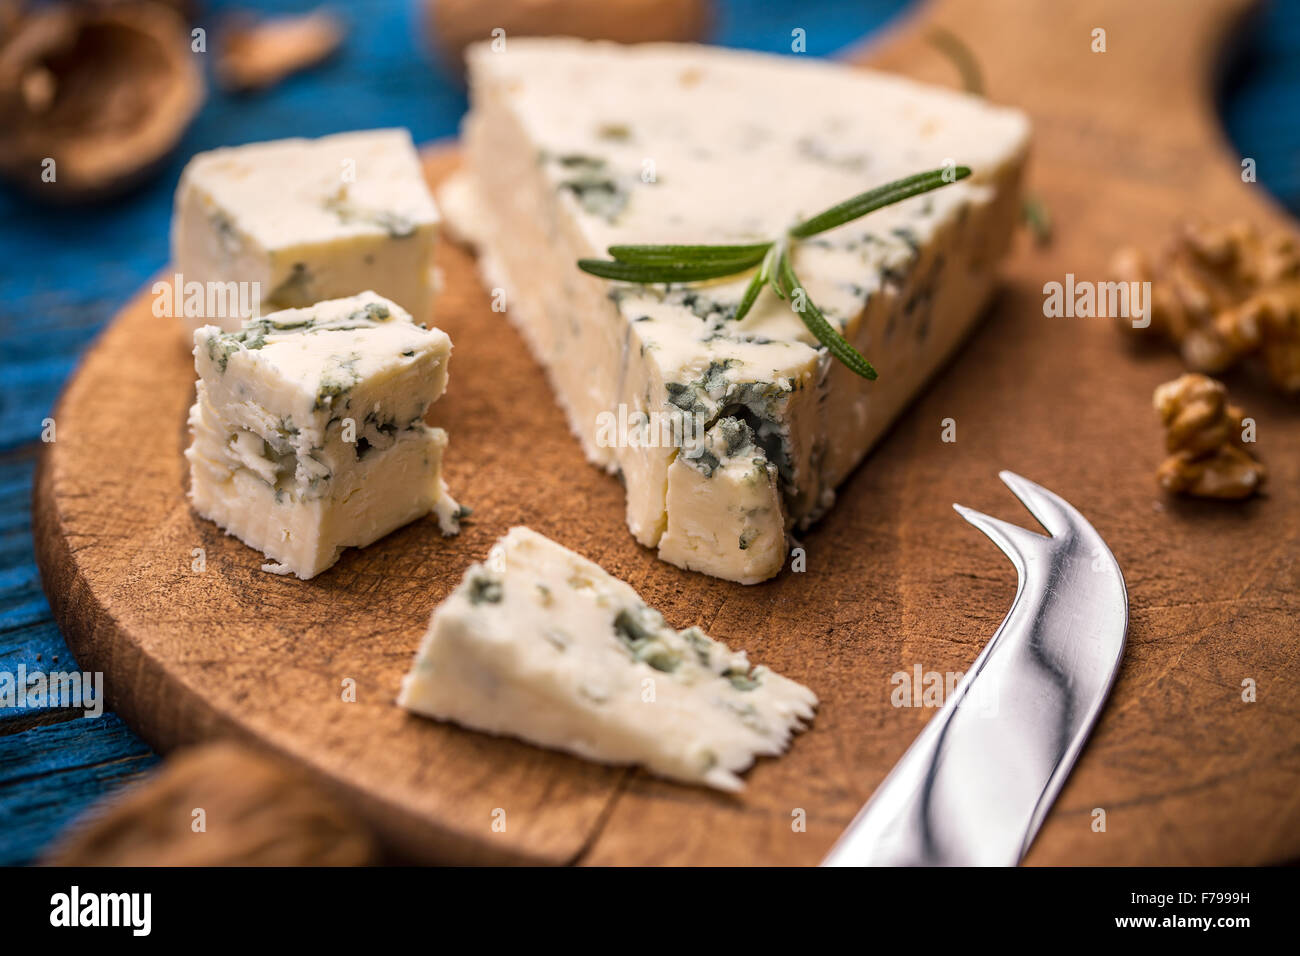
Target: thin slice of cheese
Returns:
[[306, 220], [308, 430], [575, 146], [540, 643]]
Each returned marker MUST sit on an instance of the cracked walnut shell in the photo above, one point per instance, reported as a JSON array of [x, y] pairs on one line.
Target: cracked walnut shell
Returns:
[[94, 97], [255, 55], [1223, 293], [255, 813], [1204, 436]]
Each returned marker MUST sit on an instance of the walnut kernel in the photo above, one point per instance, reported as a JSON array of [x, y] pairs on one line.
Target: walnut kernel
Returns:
[[1203, 434], [1224, 293]]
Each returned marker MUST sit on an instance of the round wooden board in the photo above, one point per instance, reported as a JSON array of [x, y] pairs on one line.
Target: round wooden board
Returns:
[[1187, 772]]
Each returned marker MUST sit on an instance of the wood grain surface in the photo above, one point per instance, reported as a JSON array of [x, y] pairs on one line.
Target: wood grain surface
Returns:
[[1125, 146]]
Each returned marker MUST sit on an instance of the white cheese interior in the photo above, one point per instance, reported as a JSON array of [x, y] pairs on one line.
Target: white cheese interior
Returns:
[[309, 220], [575, 146], [540, 643], [308, 431], [726, 470]]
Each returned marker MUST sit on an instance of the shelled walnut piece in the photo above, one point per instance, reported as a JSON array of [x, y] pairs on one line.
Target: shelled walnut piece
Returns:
[[1223, 293], [1203, 433], [255, 814]]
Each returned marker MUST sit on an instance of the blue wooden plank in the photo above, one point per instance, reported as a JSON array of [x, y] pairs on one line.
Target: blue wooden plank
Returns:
[[828, 25], [51, 775], [1261, 99], [29, 637]]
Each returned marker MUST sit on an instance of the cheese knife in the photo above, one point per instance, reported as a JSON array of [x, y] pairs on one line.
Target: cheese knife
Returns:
[[976, 784]]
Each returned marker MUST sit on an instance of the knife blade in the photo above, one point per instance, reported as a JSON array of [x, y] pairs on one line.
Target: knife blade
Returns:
[[977, 783]]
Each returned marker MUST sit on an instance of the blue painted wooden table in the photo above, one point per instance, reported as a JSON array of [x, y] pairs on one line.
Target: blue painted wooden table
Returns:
[[65, 272]]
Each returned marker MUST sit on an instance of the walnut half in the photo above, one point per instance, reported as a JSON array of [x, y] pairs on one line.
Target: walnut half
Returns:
[[1203, 434], [1223, 293]]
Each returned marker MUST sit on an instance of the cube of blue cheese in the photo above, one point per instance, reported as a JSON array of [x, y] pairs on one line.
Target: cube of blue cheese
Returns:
[[728, 468], [574, 146], [308, 220], [308, 429], [542, 644]]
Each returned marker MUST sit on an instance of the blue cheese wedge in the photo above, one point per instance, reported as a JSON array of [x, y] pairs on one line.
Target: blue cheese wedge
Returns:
[[575, 146], [308, 220], [541, 644], [308, 430]]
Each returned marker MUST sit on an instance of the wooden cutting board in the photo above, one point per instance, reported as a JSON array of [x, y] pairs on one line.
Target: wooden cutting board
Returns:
[[1126, 144]]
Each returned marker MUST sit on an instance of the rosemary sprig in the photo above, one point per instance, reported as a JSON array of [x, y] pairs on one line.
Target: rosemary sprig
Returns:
[[648, 264], [1037, 218], [874, 199], [1033, 211], [955, 48]]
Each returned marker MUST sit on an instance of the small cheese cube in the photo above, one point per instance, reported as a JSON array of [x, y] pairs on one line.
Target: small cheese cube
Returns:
[[307, 220], [540, 643], [308, 429], [724, 507]]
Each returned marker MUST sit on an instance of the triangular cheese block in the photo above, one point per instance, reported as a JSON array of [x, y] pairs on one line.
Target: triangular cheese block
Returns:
[[574, 146]]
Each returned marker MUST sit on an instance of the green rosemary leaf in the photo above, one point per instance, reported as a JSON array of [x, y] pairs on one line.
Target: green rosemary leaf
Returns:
[[812, 317], [874, 199], [774, 280], [656, 255], [1035, 215], [770, 268], [755, 285], [751, 294], [680, 263], [666, 271], [955, 48]]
